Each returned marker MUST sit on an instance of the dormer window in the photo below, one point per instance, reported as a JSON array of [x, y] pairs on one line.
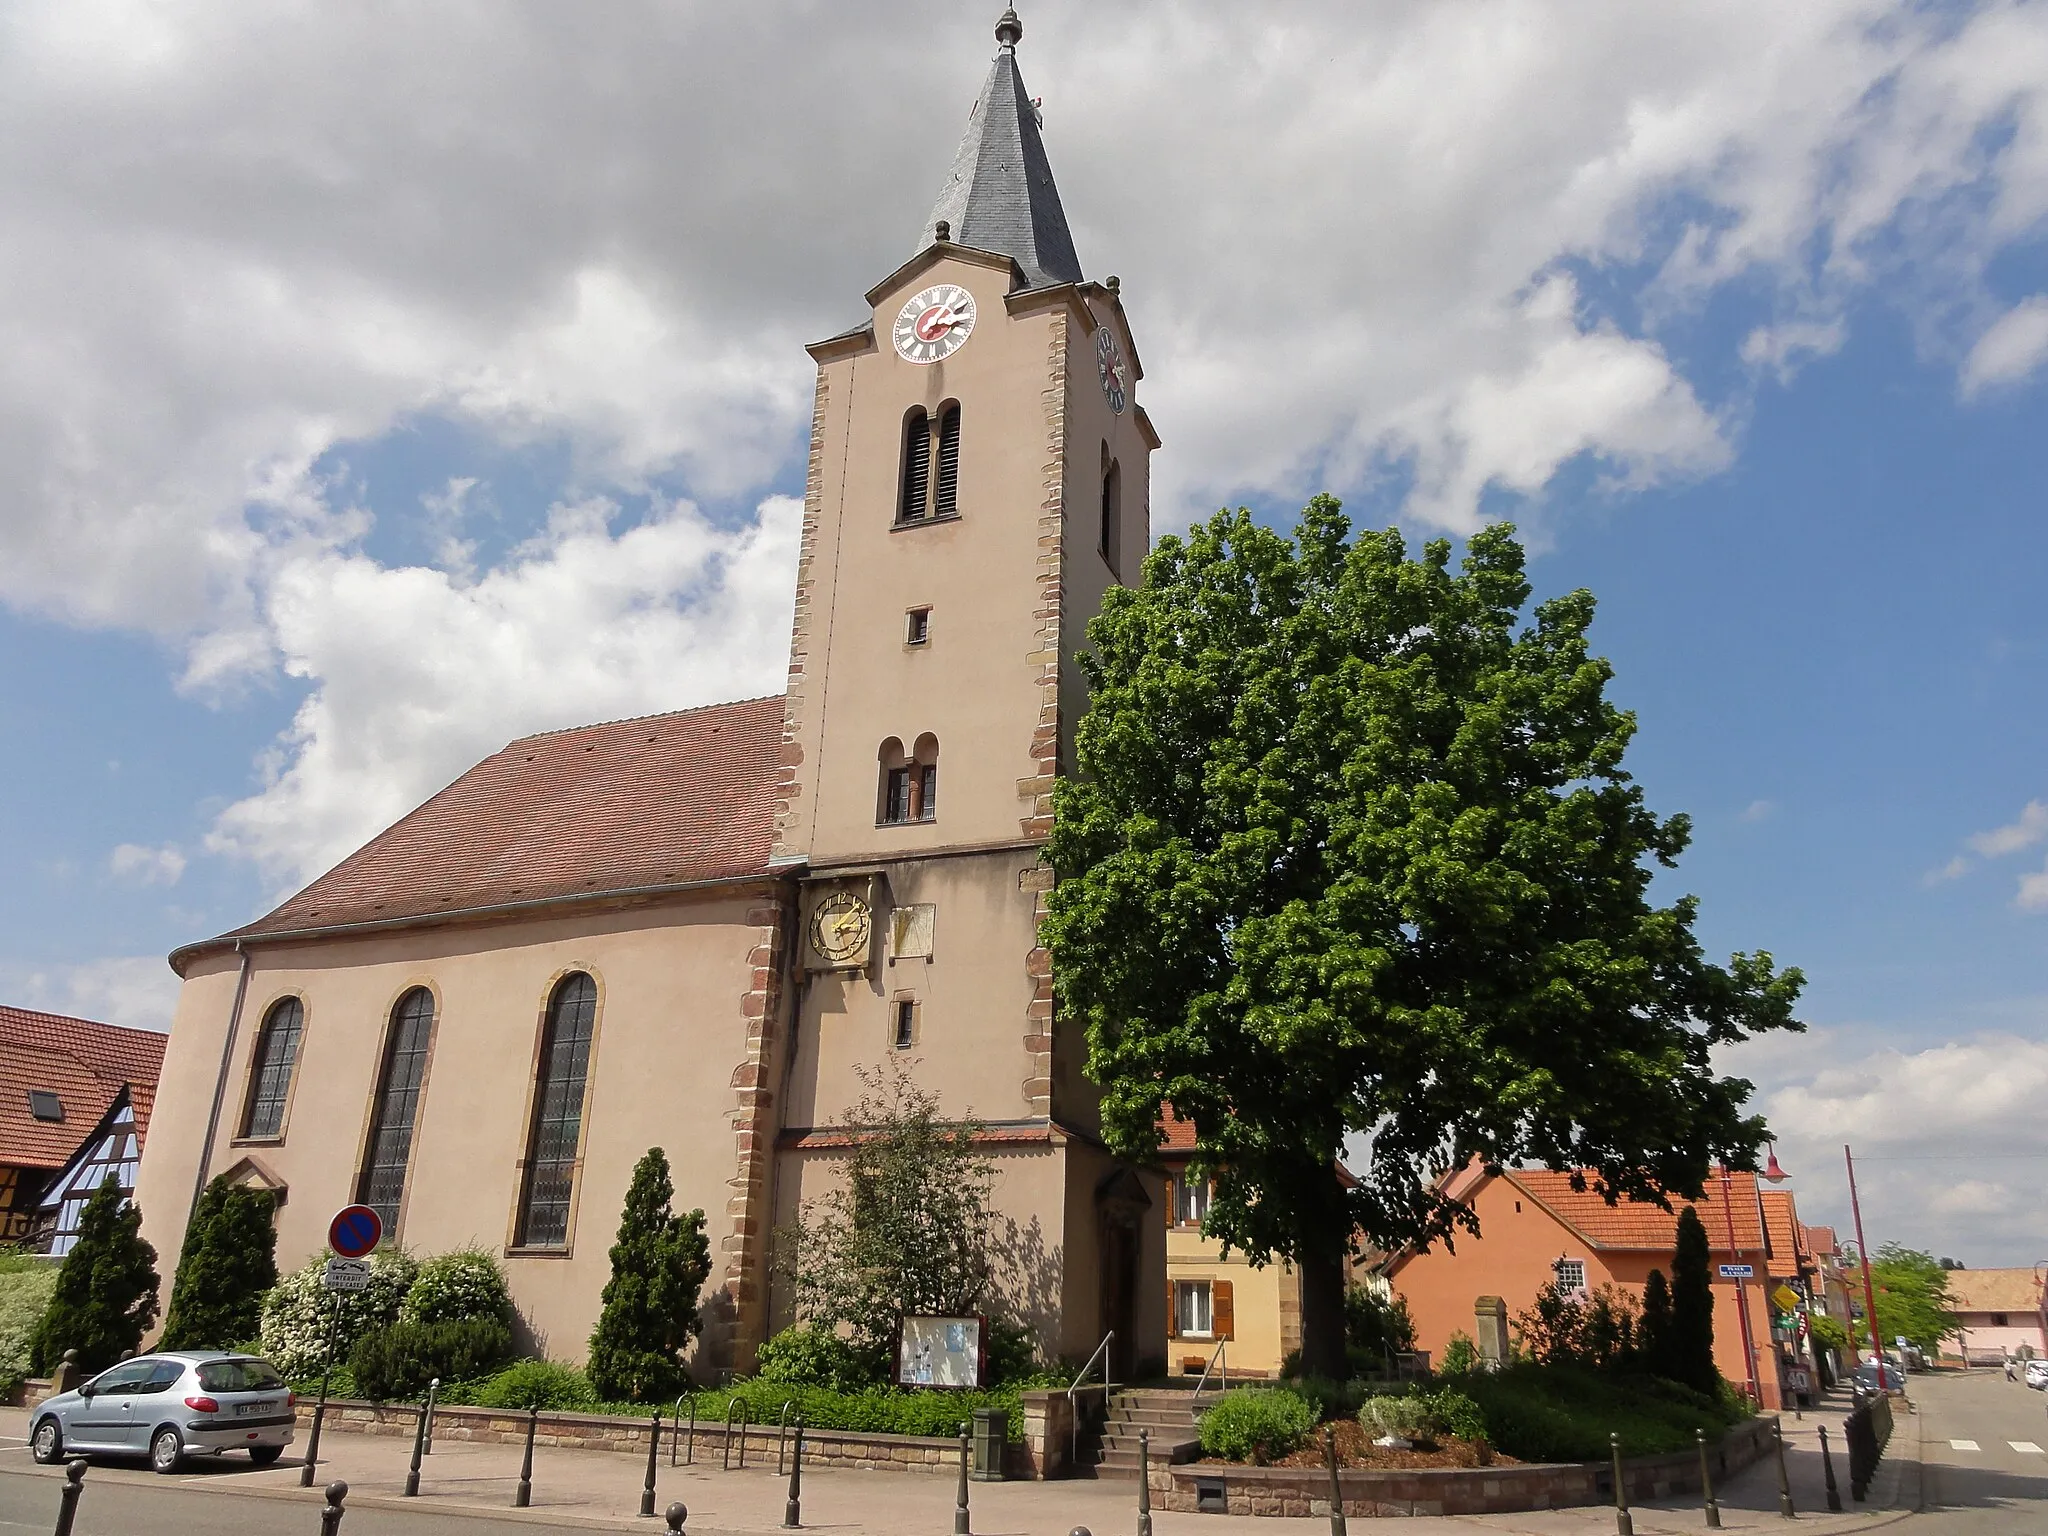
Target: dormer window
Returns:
[[45, 1105]]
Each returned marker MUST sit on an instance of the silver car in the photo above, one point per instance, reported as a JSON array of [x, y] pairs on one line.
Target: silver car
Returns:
[[170, 1406]]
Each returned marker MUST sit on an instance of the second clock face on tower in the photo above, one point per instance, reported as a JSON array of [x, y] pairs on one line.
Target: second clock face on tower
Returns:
[[1109, 363], [934, 324]]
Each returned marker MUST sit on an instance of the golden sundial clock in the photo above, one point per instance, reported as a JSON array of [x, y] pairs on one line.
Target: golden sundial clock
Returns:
[[841, 927]]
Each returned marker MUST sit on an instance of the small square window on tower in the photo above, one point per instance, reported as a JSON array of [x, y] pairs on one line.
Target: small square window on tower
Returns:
[[917, 626], [903, 1025]]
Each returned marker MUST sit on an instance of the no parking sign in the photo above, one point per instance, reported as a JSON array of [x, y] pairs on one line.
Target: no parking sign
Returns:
[[355, 1231]]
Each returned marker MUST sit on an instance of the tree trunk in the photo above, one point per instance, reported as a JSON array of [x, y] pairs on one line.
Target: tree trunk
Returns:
[[1322, 1317]]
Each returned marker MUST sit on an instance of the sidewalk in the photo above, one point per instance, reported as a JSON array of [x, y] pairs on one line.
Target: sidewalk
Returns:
[[599, 1490]]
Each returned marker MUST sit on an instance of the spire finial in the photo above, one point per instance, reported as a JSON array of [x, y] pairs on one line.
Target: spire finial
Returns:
[[1009, 30]]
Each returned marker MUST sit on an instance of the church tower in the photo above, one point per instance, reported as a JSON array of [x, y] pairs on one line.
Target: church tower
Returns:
[[978, 478]]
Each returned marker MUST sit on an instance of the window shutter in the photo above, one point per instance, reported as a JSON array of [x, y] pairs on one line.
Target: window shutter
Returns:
[[1172, 1201], [945, 499], [917, 468], [1172, 1311], [1222, 1313]]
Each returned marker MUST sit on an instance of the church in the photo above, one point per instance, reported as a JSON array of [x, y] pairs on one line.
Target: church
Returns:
[[697, 930]]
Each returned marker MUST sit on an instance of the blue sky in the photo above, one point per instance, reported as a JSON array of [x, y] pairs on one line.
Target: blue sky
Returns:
[[473, 404]]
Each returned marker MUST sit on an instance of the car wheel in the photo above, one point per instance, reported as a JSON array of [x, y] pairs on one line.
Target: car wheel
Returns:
[[166, 1450], [48, 1443], [265, 1455]]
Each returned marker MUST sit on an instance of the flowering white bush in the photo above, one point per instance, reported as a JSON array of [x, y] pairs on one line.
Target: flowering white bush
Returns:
[[297, 1311], [457, 1288], [23, 1295]]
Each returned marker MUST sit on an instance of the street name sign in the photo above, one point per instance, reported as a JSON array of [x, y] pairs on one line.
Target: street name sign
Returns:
[[346, 1275], [1738, 1271], [355, 1230]]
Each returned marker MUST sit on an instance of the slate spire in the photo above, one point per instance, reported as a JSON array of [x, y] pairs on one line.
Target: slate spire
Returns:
[[999, 195]]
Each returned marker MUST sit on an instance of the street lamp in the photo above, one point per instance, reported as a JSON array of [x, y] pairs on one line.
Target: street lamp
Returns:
[[1863, 1258], [1756, 1394]]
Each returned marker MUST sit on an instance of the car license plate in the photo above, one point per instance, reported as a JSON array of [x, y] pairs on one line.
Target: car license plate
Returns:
[[250, 1410]]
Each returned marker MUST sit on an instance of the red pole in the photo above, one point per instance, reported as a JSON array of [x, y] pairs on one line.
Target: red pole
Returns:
[[1863, 1257], [1756, 1394]]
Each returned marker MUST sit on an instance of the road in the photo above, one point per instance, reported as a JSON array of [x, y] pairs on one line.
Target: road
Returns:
[[1983, 1455]]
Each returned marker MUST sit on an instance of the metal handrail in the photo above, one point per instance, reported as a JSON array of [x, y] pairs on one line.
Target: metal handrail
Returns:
[[1073, 1417], [740, 1404], [1222, 1376], [691, 1441], [781, 1435]]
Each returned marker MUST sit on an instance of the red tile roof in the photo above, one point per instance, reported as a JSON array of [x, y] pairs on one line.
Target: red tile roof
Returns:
[[1788, 1241], [1629, 1225], [1176, 1134], [84, 1064], [1993, 1290], [1822, 1242], [662, 800]]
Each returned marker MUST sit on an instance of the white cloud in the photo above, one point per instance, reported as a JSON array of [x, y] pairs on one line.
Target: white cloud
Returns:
[[419, 674], [1442, 241], [2028, 830], [139, 991], [1758, 810], [2032, 895], [1949, 1140], [134, 864], [2011, 349]]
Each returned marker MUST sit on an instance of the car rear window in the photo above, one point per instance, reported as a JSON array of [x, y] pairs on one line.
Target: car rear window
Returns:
[[246, 1375]]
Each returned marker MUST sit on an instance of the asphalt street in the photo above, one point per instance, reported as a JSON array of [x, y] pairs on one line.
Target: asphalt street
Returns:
[[1983, 1455]]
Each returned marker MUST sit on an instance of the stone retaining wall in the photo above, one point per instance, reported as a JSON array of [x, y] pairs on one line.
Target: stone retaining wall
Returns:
[[1451, 1490]]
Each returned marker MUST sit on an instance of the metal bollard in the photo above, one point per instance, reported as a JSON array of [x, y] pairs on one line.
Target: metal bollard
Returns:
[[1624, 1522], [433, 1397], [1707, 1483], [1827, 1471], [960, 1525], [419, 1446], [67, 1501], [1336, 1487], [1784, 1482], [522, 1496], [653, 1459], [330, 1517], [676, 1516], [1144, 1482], [793, 1506]]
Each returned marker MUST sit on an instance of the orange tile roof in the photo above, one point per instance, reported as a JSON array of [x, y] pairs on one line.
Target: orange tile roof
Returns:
[[662, 800], [1994, 1290], [1175, 1134], [1822, 1242], [1788, 1241], [84, 1063], [1631, 1225]]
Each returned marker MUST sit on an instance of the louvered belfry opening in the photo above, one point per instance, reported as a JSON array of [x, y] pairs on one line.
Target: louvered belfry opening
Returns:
[[912, 505], [945, 496]]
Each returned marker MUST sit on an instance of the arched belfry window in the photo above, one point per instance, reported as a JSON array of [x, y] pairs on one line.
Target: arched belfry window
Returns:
[[400, 1080], [270, 1077], [557, 1130], [909, 781], [1110, 540], [930, 485]]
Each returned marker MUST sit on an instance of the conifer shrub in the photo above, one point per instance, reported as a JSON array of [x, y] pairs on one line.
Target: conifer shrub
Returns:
[[227, 1262], [106, 1292], [396, 1363], [659, 1264], [1257, 1424], [1654, 1332], [1691, 1353], [297, 1312], [458, 1287], [538, 1384]]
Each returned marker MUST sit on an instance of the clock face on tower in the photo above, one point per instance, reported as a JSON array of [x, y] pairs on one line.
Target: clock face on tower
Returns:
[[1109, 363], [840, 928], [934, 324]]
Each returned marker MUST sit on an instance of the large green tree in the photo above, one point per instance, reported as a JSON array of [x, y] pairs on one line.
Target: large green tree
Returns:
[[659, 1264], [1350, 856], [1912, 1297], [106, 1292], [227, 1263]]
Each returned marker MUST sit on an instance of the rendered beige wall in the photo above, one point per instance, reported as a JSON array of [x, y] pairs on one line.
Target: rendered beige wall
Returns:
[[669, 1033]]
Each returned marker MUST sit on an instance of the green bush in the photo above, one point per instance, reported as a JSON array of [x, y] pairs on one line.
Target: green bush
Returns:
[[296, 1312], [1012, 1351], [1401, 1418], [24, 1293], [1257, 1424], [537, 1384], [395, 1363], [1457, 1415], [1565, 1413], [226, 1265], [457, 1288], [1461, 1356], [876, 1410], [807, 1356]]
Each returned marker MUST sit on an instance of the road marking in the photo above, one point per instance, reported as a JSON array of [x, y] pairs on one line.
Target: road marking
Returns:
[[1963, 1445], [2025, 1447]]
